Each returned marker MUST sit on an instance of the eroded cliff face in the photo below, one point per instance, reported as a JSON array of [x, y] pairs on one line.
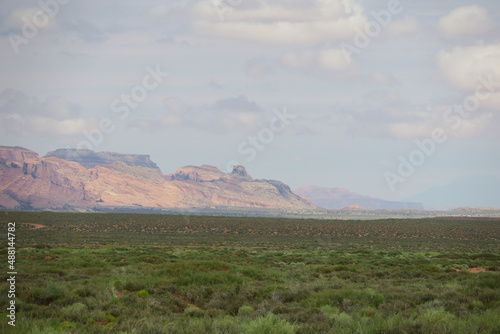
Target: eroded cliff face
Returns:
[[16, 154], [29, 181], [34, 182], [203, 173]]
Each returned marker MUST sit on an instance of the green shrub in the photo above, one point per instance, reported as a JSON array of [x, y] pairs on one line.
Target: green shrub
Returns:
[[368, 311], [341, 268], [227, 302], [245, 310], [143, 294], [225, 325], [343, 319], [329, 310], [118, 285], [475, 304], [48, 294], [437, 320], [269, 324], [193, 312], [99, 315], [67, 325], [133, 286], [492, 282], [82, 292], [75, 311], [489, 295], [110, 318]]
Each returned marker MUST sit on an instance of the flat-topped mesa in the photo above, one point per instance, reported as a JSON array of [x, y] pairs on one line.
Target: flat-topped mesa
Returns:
[[90, 159], [241, 172], [62, 182]]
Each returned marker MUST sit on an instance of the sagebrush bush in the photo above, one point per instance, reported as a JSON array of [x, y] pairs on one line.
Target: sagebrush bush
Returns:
[[193, 312], [255, 282], [49, 293], [245, 310], [75, 311], [269, 324], [118, 285]]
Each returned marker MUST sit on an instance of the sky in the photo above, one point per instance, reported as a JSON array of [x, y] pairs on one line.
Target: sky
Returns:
[[389, 99]]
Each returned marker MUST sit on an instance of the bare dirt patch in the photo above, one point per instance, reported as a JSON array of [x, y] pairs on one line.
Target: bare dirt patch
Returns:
[[472, 270], [35, 226], [101, 322]]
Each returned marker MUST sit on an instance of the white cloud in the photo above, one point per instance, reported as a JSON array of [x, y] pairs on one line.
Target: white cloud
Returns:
[[494, 101], [258, 67], [158, 12], [461, 67], [229, 115], [268, 10], [26, 116], [18, 18], [43, 126], [334, 60], [273, 22], [408, 130], [58, 108], [321, 62], [385, 114], [176, 106], [466, 69], [466, 21]]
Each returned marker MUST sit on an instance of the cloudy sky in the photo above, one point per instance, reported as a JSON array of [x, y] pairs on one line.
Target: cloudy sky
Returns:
[[386, 98]]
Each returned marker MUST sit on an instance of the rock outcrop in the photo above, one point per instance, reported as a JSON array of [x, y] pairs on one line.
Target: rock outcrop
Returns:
[[15, 154], [204, 173], [28, 181], [34, 182]]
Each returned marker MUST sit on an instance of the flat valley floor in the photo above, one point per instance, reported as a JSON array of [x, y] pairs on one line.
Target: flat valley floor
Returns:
[[145, 273]]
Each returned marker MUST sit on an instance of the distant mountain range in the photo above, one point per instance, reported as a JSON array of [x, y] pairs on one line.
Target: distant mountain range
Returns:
[[28, 181], [67, 179], [338, 198]]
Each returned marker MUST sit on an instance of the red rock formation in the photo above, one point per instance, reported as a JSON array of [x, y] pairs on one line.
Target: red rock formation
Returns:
[[29, 181], [16, 154]]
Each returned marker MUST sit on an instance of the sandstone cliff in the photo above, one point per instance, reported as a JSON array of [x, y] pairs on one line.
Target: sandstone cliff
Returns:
[[28, 181]]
